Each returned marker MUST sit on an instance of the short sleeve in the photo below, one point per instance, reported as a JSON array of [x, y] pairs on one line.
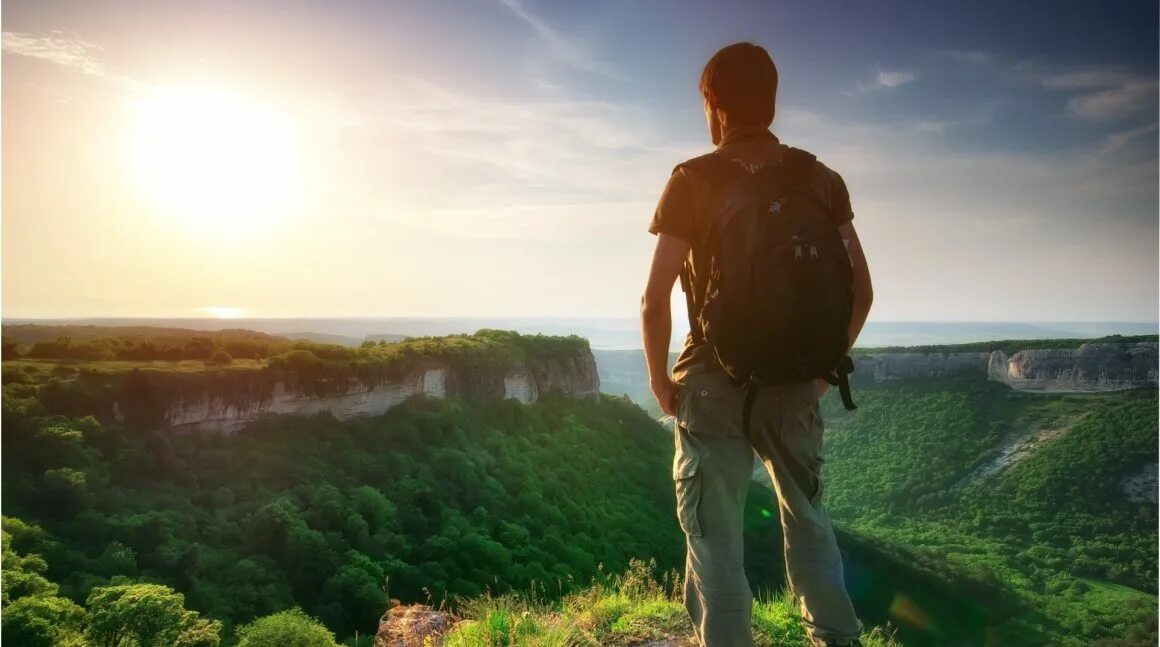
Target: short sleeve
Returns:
[[838, 195], [675, 213]]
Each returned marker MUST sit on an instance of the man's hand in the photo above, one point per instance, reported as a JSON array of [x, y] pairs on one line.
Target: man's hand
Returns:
[[665, 391], [656, 317]]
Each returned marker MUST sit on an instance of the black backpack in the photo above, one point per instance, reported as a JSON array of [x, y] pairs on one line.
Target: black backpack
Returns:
[[776, 305]]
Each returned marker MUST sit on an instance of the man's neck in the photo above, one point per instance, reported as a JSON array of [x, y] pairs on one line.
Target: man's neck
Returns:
[[733, 134]]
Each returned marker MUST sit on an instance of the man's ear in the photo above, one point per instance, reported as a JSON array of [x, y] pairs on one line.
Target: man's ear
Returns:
[[710, 100]]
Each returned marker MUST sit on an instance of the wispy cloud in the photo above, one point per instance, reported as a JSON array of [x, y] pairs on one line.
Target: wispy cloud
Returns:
[[894, 79], [1093, 93], [1125, 98], [562, 47], [1118, 140], [587, 167], [57, 47], [886, 80]]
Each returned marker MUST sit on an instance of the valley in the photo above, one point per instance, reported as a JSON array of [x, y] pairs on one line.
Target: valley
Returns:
[[487, 474]]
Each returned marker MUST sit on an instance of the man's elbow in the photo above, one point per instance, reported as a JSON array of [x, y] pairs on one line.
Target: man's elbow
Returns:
[[864, 293], [652, 306]]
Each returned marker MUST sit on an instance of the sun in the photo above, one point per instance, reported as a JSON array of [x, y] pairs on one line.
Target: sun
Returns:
[[216, 159]]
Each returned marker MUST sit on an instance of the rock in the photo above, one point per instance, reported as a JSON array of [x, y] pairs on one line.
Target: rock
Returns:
[[888, 366], [228, 403], [411, 626], [1091, 367], [1095, 366]]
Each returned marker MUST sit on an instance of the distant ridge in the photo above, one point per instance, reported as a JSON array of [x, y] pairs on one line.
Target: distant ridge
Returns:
[[613, 333]]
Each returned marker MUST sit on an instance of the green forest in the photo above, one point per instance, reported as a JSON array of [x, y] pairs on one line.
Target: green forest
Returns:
[[126, 535], [440, 498], [1050, 538]]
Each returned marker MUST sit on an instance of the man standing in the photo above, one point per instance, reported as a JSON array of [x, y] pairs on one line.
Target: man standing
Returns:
[[720, 423]]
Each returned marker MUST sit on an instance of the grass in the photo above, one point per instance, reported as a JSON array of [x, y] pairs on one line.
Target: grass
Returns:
[[630, 609]]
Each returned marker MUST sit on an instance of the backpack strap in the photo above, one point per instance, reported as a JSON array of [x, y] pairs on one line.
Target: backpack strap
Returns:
[[841, 379], [718, 171]]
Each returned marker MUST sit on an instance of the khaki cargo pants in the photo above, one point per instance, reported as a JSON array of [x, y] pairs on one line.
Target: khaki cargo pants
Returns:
[[712, 469]]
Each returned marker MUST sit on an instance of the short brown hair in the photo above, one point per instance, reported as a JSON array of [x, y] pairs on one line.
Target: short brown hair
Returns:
[[743, 78]]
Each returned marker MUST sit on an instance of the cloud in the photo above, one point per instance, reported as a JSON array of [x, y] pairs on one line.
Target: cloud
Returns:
[[886, 80], [1127, 98], [561, 47], [895, 79], [1119, 140], [1093, 93], [56, 48]]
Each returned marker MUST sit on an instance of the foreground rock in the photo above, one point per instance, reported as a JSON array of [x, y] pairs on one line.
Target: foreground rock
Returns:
[[416, 625]]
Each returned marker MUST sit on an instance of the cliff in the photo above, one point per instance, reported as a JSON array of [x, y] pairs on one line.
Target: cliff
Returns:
[[514, 367], [1094, 366], [1091, 367]]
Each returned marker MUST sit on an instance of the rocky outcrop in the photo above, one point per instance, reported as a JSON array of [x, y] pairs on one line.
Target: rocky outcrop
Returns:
[[1091, 367], [415, 625], [230, 402], [1096, 366], [885, 366]]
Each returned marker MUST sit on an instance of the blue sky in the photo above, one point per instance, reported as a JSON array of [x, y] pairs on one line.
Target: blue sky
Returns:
[[503, 157]]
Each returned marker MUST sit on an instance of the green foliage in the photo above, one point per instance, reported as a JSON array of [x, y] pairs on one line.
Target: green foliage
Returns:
[[436, 499], [141, 615], [291, 628], [632, 608], [43, 621], [1014, 498]]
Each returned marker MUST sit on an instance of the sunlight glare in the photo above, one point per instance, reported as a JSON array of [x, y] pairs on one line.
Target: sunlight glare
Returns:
[[221, 312], [216, 159]]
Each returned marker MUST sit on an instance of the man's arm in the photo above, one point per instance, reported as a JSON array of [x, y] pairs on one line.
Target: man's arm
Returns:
[[863, 288], [656, 317]]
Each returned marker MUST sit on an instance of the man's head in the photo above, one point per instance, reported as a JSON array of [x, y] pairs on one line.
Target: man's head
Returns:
[[739, 86]]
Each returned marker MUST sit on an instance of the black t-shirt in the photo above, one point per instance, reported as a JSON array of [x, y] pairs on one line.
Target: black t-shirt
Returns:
[[689, 200]]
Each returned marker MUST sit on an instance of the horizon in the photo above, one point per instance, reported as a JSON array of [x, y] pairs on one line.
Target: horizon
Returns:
[[1001, 166], [606, 333]]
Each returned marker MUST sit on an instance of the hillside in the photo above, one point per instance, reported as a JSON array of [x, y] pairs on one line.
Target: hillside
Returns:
[[183, 381], [1037, 507], [968, 512], [1023, 499]]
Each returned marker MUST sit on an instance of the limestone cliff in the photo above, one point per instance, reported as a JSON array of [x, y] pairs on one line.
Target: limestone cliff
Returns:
[[228, 401], [1095, 366], [1091, 367], [886, 366]]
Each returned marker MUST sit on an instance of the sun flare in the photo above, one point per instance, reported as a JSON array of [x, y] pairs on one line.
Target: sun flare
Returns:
[[223, 312], [215, 158]]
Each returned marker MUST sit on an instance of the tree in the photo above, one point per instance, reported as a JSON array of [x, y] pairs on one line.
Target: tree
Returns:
[[219, 357], [23, 574], [146, 615], [9, 350], [199, 348], [291, 628], [43, 621]]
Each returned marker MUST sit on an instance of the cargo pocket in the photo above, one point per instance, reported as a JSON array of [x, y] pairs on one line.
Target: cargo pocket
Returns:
[[687, 478], [710, 404]]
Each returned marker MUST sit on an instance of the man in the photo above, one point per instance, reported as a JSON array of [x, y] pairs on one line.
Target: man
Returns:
[[715, 442]]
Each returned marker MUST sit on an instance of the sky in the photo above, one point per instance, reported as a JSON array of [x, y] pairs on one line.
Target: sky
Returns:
[[503, 158]]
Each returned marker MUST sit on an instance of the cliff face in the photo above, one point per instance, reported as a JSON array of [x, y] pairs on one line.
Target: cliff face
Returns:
[[908, 365], [1091, 367], [231, 404]]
